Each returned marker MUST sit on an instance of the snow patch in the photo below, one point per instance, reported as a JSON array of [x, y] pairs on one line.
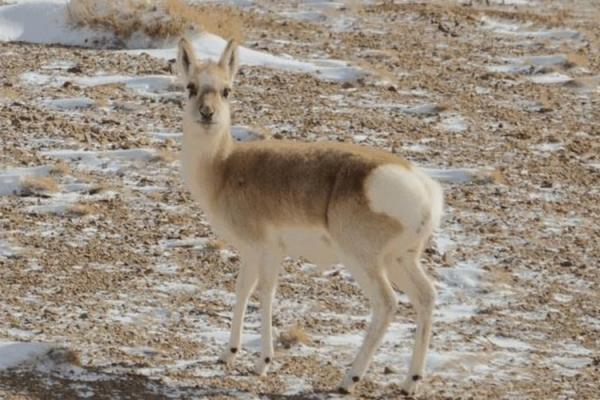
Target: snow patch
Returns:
[[239, 132], [250, 341], [144, 84], [419, 110], [594, 166], [175, 287], [62, 203], [195, 243], [416, 148], [72, 103], [453, 123], [164, 136], [443, 241], [305, 16], [457, 175], [43, 22], [8, 250], [551, 78], [530, 64], [509, 343], [46, 22], [209, 46], [59, 65], [245, 134], [40, 356], [106, 161], [295, 385], [548, 147], [462, 276], [345, 340], [359, 138], [523, 31], [423, 109], [11, 181], [453, 312], [14, 354]]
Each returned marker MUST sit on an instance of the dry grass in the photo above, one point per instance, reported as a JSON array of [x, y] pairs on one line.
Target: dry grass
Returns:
[[577, 60], [164, 156], [487, 176], [155, 196], [61, 168], [64, 356], [582, 82], [9, 92], [164, 19], [294, 335], [98, 188], [220, 20], [498, 178], [215, 245], [38, 185], [80, 209]]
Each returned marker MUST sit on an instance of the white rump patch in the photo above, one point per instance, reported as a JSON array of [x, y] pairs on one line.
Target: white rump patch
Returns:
[[408, 196]]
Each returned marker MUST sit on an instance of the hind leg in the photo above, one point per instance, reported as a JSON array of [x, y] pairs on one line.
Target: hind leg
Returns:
[[379, 291], [407, 275]]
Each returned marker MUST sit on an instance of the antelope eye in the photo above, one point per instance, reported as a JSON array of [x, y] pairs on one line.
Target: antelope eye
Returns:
[[192, 89], [226, 92]]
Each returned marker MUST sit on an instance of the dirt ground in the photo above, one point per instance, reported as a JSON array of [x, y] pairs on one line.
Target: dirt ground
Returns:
[[115, 262]]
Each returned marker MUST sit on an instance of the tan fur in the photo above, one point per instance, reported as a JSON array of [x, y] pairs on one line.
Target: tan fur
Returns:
[[282, 183]]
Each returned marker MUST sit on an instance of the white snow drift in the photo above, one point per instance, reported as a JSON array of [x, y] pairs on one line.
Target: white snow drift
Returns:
[[45, 21]]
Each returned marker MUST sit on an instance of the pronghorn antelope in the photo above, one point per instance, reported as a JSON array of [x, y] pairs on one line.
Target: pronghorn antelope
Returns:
[[327, 202]]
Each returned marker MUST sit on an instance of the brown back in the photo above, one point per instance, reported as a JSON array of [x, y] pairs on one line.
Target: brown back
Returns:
[[282, 182]]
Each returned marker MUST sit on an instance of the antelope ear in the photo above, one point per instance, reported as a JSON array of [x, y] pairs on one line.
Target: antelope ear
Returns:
[[229, 59], [186, 59]]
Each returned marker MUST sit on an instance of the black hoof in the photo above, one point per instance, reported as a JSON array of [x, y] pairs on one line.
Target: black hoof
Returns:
[[355, 379], [416, 377], [404, 393], [267, 360], [233, 350]]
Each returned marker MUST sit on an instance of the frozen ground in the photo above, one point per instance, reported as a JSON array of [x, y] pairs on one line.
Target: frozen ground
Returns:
[[113, 286]]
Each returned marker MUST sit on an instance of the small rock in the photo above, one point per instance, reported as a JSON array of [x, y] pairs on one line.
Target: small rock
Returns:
[[389, 370], [566, 263], [75, 70], [446, 259]]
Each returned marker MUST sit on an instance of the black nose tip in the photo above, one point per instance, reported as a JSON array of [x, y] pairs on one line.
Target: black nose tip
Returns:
[[206, 113]]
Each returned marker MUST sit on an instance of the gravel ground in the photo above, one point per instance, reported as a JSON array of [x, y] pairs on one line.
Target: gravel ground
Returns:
[[102, 251]]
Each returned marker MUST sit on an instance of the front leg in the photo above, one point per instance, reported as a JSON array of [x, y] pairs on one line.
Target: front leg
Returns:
[[267, 282], [246, 282]]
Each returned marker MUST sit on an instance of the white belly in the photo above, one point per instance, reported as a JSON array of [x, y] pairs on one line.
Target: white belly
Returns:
[[311, 243]]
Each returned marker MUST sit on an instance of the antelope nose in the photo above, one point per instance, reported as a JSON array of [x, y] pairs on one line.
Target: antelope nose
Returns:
[[206, 112]]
